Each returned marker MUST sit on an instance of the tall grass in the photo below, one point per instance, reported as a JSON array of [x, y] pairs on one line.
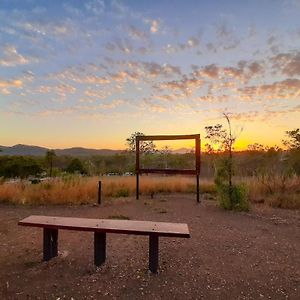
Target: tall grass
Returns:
[[277, 191], [84, 190]]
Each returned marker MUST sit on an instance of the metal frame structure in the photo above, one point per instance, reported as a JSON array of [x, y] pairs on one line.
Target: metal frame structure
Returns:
[[195, 171]]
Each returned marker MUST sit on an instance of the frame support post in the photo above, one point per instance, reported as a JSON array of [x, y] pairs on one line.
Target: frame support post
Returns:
[[137, 186], [137, 166], [198, 191]]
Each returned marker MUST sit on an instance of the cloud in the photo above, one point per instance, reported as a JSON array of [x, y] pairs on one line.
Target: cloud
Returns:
[[249, 116], [113, 104], [223, 30], [285, 89], [243, 71], [96, 7], [11, 57], [136, 33], [123, 45], [154, 25], [6, 85], [210, 71], [60, 89], [124, 76], [186, 85], [154, 107], [190, 43], [100, 94], [155, 69], [287, 63]]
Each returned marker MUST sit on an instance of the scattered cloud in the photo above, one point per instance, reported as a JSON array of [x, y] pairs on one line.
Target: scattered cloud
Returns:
[[136, 33], [287, 63], [285, 89], [11, 57], [154, 25], [96, 7], [6, 85]]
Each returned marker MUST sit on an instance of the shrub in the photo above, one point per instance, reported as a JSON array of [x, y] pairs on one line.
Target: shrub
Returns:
[[232, 197], [122, 192]]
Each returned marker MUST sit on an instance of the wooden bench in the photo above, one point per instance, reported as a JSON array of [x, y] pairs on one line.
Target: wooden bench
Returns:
[[100, 227]]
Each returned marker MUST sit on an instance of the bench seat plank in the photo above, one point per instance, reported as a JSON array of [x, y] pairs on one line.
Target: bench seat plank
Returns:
[[109, 226]]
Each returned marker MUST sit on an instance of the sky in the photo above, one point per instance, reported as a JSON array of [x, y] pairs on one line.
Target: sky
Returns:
[[90, 73]]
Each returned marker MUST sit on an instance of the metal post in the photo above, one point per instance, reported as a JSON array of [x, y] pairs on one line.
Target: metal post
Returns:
[[137, 165], [99, 192], [198, 163], [137, 186], [99, 248], [153, 253], [198, 191]]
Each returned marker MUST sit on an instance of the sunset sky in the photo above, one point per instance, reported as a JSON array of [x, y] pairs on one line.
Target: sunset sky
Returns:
[[90, 73]]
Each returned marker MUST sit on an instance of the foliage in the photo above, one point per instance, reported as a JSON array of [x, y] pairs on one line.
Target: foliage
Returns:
[[230, 196], [293, 144], [49, 158], [145, 146], [293, 141], [22, 167], [76, 166]]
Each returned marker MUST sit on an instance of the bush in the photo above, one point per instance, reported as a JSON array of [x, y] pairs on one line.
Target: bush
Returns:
[[122, 192], [232, 198]]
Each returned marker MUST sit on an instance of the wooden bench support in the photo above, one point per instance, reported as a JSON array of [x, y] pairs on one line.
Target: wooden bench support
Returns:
[[50, 243], [153, 253], [99, 248]]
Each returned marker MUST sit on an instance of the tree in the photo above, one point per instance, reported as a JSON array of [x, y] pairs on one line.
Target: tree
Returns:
[[49, 158], [19, 166], [293, 144], [165, 152], [76, 166], [293, 141], [230, 196], [145, 146]]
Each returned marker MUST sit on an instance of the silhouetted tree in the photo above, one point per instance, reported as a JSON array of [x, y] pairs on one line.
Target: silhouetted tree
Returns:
[[76, 166], [293, 144], [293, 141], [49, 158], [145, 146], [230, 196]]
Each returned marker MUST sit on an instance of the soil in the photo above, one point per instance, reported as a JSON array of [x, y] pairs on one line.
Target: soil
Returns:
[[230, 255]]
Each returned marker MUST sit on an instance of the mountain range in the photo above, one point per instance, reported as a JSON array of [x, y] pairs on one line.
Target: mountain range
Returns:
[[29, 150], [41, 151]]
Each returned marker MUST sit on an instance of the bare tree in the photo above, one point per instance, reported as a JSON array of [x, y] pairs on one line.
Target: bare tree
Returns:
[[145, 146]]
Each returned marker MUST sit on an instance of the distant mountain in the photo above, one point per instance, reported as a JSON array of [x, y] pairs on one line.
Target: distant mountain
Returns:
[[41, 151]]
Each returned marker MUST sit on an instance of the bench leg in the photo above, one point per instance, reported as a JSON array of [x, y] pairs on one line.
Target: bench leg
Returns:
[[50, 237], [99, 248], [153, 253]]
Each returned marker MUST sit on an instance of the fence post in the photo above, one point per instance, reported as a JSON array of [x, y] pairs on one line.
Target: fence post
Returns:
[[99, 192]]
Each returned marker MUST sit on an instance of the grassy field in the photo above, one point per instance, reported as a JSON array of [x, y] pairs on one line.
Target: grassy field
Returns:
[[83, 190]]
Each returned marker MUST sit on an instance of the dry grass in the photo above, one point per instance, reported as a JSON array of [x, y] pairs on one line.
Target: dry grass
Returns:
[[277, 191], [83, 190]]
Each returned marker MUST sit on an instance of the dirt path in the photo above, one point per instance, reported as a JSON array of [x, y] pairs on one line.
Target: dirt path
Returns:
[[230, 255]]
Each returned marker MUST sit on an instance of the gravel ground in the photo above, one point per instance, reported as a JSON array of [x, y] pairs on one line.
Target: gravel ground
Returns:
[[229, 255]]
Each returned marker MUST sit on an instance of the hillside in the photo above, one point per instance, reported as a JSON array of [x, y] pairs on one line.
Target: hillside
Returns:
[[41, 151]]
